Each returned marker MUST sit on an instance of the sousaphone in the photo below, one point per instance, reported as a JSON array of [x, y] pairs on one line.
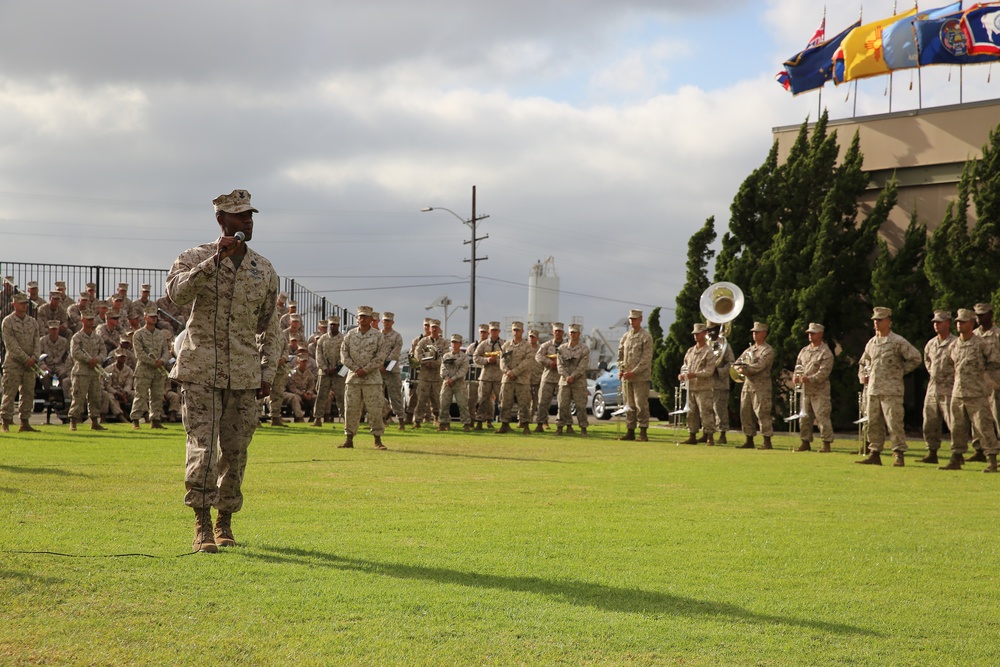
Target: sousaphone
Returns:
[[722, 303]]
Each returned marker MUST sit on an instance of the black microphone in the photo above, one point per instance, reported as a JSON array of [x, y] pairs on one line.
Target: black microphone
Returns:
[[240, 236]]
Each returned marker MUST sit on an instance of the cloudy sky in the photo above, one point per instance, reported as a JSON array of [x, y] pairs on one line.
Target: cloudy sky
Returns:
[[598, 133]]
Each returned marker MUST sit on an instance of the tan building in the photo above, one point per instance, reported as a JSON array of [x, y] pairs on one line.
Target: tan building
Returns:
[[926, 149]]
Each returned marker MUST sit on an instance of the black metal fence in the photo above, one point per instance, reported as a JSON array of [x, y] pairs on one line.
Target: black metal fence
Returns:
[[312, 306]]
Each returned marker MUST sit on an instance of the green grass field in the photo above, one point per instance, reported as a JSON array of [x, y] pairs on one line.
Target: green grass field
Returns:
[[479, 549]]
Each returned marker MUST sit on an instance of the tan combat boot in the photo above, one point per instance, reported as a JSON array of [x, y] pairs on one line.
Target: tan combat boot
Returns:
[[692, 440], [224, 530], [526, 428], [26, 427], [643, 434], [897, 460], [559, 429], [378, 443], [583, 432], [722, 438], [72, 424], [504, 428], [348, 442], [204, 539], [747, 444], [135, 425], [826, 448], [710, 440], [767, 443], [5, 425], [276, 420], [991, 465], [158, 424], [954, 463], [931, 457], [629, 434], [569, 430], [804, 447], [96, 425], [318, 422], [874, 459], [539, 428], [977, 457], [479, 426], [467, 427]]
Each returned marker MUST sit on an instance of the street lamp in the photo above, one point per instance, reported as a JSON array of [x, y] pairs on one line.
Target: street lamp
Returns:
[[471, 222], [444, 302]]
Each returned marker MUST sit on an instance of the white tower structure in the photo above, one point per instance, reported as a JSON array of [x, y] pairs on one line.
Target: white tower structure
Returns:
[[543, 294]]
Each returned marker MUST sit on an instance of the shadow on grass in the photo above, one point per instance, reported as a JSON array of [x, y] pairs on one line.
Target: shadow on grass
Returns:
[[29, 577], [606, 598], [41, 471], [478, 456]]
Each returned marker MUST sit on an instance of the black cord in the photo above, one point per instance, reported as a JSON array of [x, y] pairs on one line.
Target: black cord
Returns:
[[58, 553]]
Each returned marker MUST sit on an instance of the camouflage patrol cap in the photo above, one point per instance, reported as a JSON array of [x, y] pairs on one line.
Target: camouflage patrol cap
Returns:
[[533, 332], [53, 324], [965, 315], [60, 283], [388, 317], [376, 315], [435, 323], [144, 287], [294, 318], [363, 311], [558, 326], [759, 326], [20, 297], [815, 327], [634, 313], [293, 304], [32, 284], [121, 353], [150, 311], [698, 328], [456, 338], [85, 295], [427, 321], [89, 285], [881, 313], [55, 294], [575, 328], [517, 326], [333, 319], [123, 286], [321, 323], [494, 325], [983, 308], [293, 338], [302, 352], [484, 327], [88, 315], [101, 303], [113, 315], [117, 297], [282, 296], [236, 201], [941, 316], [125, 340]]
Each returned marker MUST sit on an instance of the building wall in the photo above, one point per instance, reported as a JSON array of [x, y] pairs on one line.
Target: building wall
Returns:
[[924, 149]]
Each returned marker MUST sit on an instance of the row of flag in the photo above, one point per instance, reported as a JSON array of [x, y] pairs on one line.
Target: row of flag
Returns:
[[947, 35]]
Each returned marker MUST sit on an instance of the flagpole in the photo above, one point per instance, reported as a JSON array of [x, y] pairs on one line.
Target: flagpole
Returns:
[[890, 71], [854, 112]]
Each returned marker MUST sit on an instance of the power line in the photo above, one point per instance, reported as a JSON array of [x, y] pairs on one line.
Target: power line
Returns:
[[588, 296], [375, 289]]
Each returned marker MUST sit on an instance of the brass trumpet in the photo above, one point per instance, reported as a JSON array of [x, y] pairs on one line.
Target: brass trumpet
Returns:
[[797, 399], [736, 370], [39, 373]]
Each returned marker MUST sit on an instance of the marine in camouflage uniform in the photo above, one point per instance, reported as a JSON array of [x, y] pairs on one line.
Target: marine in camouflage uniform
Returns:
[[21, 341], [572, 364], [515, 364], [430, 349], [474, 371], [137, 309], [536, 372], [721, 382], [226, 362], [699, 366], [887, 358], [454, 369], [975, 358], [989, 331], [86, 349], [816, 361], [54, 310], [276, 397], [411, 402], [756, 402], [487, 357], [363, 352], [635, 370], [152, 353], [300, 390], [57, 360], [546, 355], [393, 378], [329, 365], [118, 387], [937, 399]]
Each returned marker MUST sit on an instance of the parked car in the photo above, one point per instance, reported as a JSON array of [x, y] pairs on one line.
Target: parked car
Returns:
[[606, 397]]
